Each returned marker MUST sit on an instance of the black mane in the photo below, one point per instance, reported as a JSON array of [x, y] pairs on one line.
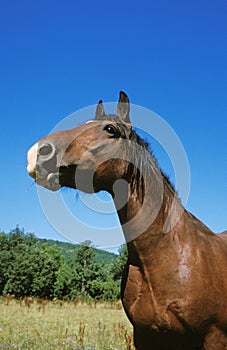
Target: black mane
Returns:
[[147, 157]]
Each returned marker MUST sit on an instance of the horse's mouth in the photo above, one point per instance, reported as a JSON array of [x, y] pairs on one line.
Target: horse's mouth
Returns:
[[46, 172], [54, 181], [67, 175], [51, 182]]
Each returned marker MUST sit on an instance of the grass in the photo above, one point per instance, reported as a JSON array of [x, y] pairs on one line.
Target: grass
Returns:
[[63, 325]]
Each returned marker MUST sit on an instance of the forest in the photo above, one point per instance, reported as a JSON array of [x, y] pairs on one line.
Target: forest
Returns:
[[49, 269]]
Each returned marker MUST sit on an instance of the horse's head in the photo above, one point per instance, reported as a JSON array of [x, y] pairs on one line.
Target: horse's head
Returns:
[[94, 150]]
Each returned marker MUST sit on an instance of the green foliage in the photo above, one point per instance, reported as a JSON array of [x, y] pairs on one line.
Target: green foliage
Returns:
[[63, 283], [69, 251], [32, 267], [4, 260], [47, 263], [118, 265], [84, 268], [25, 268], [20, 272]]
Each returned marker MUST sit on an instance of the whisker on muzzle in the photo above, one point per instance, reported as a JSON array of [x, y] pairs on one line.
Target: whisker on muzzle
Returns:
[[29, 187]]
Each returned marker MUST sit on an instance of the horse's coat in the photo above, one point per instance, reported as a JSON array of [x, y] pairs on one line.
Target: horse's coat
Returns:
[[174, 287]]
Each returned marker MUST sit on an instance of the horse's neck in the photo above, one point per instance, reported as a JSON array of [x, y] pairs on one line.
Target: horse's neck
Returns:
[[146, 222]]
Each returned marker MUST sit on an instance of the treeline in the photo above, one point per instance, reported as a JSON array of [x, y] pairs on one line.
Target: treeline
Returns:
[[31, 268]]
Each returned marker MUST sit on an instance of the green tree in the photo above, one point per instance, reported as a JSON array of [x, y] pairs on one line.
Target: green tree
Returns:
[[18, 236], [26, 268], [20, 272], [83, 269], [5, 257], [32, 268], [94, 279], [47, 261], [119, 264], [98, 277], [63, 283]]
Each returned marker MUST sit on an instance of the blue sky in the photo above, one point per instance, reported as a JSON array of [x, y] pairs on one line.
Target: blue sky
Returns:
[[57, 57]]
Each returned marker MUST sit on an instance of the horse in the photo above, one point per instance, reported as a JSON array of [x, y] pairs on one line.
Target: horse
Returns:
[[174, 285]]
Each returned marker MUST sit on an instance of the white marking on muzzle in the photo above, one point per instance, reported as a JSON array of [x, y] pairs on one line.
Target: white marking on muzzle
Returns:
[[32, 159]]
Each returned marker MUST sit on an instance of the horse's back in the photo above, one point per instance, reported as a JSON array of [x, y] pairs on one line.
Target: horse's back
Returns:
[[223, 238]]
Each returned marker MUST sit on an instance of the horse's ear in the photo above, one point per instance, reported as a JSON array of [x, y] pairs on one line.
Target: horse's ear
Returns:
[[123, 107], [100, 113]]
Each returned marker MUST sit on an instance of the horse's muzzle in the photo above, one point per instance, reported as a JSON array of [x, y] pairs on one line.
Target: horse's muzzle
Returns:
[[42, 165]]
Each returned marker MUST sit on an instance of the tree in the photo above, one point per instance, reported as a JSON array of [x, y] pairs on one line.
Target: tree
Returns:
[[47, 261], [26, 268], [4, 259], [83, 268], [119, 264], [92, 279], [20, 272], [32, 268], [63, 283]]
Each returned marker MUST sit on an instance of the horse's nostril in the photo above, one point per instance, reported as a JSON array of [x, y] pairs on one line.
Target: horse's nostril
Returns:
[[47, 158], [45, 149]]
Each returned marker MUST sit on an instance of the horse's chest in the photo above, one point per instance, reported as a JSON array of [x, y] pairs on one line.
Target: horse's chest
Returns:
[[142, 307], [137, 298]]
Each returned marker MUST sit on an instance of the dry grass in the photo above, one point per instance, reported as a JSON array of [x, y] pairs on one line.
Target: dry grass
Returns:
[[63, 325]]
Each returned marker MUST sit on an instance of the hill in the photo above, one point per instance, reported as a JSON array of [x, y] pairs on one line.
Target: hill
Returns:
[[69, 250]]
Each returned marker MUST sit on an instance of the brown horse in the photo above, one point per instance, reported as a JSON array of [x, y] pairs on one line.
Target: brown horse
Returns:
[[174, 287]]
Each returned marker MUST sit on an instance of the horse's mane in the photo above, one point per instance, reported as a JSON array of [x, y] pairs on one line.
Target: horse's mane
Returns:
[[142, 157]]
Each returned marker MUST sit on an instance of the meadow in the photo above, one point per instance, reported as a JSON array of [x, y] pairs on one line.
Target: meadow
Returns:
[[61, 325]]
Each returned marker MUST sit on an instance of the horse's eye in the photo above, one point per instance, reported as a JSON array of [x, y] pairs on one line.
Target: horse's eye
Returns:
[[110, 129]]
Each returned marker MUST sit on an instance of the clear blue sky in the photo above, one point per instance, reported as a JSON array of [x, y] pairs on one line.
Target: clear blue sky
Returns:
[[60, 56]]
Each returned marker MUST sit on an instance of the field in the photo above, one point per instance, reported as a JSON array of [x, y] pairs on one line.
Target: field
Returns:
[[59, 325]]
